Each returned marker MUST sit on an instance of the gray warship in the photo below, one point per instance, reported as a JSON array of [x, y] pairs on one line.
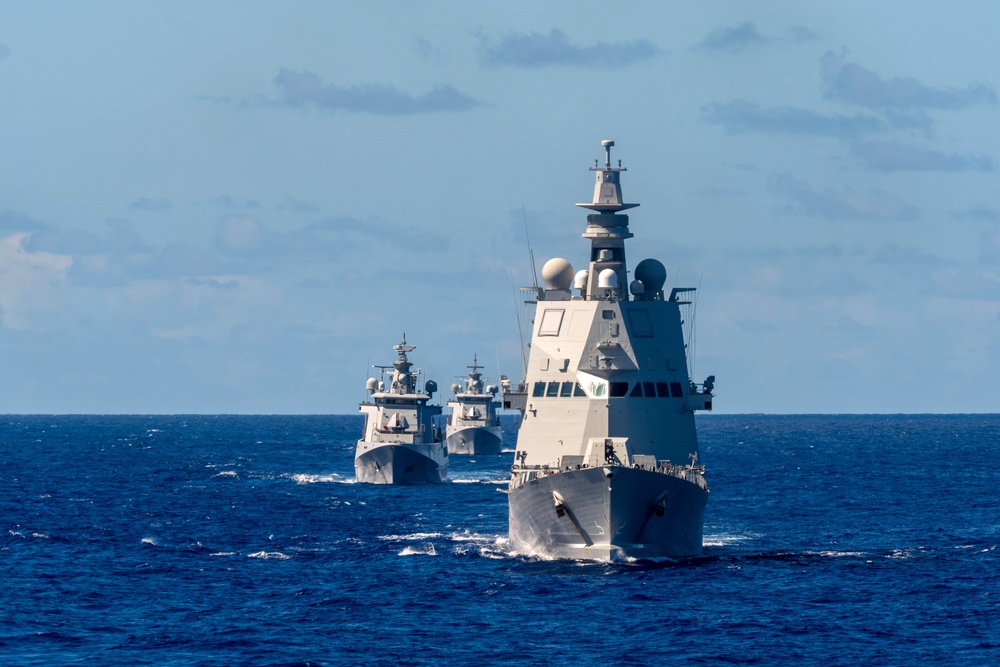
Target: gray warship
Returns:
[[474, 423], [606, 465], [400, 444]]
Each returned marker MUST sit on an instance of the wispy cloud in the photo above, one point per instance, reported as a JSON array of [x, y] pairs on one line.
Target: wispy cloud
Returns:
[[850, 82], [232, 203], [428, 51], [149, 204], [329, 240], [534, 50], [299, 89], [892, 156], [120, 256], [11, 221], [734, 39], [847, 204], [743, 116], [979, 214]]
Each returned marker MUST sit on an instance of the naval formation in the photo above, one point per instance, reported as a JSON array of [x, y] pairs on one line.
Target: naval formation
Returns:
[[606, 465]]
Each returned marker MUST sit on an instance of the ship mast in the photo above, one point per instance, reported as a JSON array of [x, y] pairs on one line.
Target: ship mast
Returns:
[[607, 229]]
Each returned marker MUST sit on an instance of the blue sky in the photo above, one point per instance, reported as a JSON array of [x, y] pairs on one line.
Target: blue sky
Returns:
[[241, 206]]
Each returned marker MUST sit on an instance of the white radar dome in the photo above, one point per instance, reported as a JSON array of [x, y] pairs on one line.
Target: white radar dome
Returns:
[[608, 278], [580, 281], [557, 274]]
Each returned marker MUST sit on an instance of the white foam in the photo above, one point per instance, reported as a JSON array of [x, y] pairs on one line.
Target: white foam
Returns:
[[411, 536], [225, 473], [269, 555], [427, 550], [149, 540], [302, 478]]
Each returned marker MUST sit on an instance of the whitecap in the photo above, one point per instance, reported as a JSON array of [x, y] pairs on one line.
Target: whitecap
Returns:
[[149, 540], [411, 536], [302, 478], [225, 473], [427, 550], [269, 555]]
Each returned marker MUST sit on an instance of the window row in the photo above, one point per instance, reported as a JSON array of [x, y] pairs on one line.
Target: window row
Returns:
[[609, 389]]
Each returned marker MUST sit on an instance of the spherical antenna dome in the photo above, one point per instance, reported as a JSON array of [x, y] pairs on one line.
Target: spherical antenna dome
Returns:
[[557, 274], [607, 278], [652, 274]]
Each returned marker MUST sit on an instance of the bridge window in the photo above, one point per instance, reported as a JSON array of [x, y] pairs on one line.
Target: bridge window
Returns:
[[619, 389], [551, 322], [649, 389], [567, 389], [662, 390], [676, 390], [637, 391], [539, 389], [578, 390], [553, 390]]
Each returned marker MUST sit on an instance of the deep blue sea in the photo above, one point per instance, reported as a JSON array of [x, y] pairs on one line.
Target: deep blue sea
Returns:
[[242, 540]]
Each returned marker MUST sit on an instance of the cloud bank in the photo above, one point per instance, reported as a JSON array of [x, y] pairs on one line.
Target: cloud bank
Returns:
[[299, 89], [852, 83], [734, 39]]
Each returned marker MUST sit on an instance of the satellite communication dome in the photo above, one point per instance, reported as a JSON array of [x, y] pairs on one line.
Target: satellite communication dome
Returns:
[[456, 388], [608, 278], [372, 384], [557, 274], [431, 387], [580, 281], [652, 274]]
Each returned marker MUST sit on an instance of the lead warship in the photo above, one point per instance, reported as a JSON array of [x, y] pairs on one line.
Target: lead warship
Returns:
[[606, 465], [400, 444], [474, 424]]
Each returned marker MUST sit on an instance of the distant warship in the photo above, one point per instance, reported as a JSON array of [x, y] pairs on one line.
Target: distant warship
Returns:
[[400, 443], [474, 424], [606, 465]]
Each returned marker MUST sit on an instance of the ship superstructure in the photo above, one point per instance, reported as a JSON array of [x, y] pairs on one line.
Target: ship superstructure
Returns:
[[400, 444], [474, 423], [606, 464]]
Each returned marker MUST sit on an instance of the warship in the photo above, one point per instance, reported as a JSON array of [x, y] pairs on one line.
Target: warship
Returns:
[[474, 424], [401, 444], [606, 465]]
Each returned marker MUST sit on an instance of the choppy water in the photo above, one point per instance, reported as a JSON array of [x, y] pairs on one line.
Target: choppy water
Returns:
[[235, 540]]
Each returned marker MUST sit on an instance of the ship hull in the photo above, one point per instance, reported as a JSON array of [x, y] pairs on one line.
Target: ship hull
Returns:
[[396, 463], [474, 440], [608, 513]]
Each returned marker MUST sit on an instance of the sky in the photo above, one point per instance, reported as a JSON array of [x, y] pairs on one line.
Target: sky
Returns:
[[240, 207]]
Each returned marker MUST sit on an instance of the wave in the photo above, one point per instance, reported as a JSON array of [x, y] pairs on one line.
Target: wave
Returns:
[[269, 555], [303, 478], [426, 550], [479, 480], [225, 473]]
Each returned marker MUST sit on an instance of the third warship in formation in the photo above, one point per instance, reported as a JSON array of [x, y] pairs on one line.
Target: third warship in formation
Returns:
[[606, 466], [474, 424], [400, 444]]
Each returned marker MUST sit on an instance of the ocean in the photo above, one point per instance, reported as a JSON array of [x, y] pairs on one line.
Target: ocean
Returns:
[[243, 540]]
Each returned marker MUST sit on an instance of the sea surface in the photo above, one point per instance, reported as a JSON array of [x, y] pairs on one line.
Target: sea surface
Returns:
[[243, 540]]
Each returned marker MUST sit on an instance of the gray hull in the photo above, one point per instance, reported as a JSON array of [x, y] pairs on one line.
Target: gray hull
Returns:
[[474, 440], [395, 463], [608, 513]]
